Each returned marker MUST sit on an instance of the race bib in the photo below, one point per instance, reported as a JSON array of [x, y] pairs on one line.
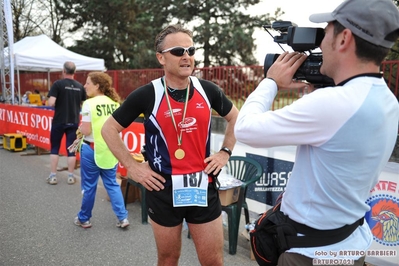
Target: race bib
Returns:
[[190, 190]]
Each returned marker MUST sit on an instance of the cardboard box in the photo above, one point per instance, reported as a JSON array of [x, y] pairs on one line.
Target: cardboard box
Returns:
[[252, 253], [245, 233], [229, 196], [14, 142], [134, 192]]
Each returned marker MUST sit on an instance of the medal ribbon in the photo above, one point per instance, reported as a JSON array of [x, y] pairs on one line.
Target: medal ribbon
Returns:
[[179, 136]]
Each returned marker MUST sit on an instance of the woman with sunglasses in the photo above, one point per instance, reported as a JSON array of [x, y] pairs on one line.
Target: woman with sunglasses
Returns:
[[181, 171]]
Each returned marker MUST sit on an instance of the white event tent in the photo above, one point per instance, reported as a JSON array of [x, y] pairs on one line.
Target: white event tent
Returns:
[[41, 54]]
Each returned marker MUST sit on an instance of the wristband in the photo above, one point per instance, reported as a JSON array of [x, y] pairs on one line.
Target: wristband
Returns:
[[225, 149]]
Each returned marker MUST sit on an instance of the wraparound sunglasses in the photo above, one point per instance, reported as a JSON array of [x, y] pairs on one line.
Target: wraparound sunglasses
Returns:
[[180, 51]]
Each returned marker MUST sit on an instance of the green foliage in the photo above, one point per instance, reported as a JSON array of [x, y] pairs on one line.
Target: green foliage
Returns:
[[118, 31], [390, 69], [221, 29], [35, 17], [123, 32], [394, 52]]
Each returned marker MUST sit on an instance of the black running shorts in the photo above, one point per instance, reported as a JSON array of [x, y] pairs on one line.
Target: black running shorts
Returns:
[[161, 210]]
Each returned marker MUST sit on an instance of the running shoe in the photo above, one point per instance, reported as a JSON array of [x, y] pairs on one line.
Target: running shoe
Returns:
[[86, 224], [71, 179], [52, 179], [122, 223]]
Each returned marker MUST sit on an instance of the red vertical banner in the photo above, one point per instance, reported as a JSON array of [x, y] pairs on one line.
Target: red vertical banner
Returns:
[[134, 140]]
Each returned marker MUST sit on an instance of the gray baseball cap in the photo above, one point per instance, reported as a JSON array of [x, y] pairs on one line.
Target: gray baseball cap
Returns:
[[372, 20]]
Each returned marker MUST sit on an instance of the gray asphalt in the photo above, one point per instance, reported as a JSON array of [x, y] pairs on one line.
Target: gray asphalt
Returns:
[[36, 223]]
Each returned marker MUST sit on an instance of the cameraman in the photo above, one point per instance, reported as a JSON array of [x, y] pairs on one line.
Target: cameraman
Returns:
[[344, 134]]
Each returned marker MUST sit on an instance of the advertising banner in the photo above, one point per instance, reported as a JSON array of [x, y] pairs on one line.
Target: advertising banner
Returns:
[[273, 181], [35, 124], [383, 218]]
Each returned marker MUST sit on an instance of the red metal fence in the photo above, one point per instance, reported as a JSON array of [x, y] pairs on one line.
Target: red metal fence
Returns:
[[236, 81], [391, 75]]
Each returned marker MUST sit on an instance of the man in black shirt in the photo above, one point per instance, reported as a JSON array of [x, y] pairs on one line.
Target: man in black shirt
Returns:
[[66, 96]]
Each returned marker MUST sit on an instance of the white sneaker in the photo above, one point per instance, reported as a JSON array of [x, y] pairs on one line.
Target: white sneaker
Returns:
[[85, 225], [52, 179], [123, 223], [71, 180]]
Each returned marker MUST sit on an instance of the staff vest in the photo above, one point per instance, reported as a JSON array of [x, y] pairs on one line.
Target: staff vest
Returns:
[[101, 107]]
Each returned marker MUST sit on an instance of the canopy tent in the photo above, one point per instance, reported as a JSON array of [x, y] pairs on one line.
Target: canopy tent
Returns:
[[41, 54]]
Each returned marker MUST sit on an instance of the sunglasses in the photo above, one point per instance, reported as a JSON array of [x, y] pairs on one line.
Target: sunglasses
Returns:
[[180, 51]]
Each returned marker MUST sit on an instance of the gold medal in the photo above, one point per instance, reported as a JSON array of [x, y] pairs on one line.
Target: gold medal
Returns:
[[179, 154]]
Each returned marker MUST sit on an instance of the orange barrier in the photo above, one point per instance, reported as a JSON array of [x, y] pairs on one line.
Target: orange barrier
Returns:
[[35, 124]]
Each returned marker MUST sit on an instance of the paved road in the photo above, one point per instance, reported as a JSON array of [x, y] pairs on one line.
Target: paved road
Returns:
[[36, 223]]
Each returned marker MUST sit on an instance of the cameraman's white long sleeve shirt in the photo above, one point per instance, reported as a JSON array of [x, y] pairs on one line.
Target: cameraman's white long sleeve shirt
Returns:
[[344, 137]]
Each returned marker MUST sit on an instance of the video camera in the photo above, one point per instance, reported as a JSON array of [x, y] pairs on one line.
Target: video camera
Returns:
[[301, 39]]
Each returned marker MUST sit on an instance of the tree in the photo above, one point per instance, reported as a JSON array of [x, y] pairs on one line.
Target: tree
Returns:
[[221, 28], [391, 70], [34, 17], [118, 31], [394, 53], [123, 32]]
